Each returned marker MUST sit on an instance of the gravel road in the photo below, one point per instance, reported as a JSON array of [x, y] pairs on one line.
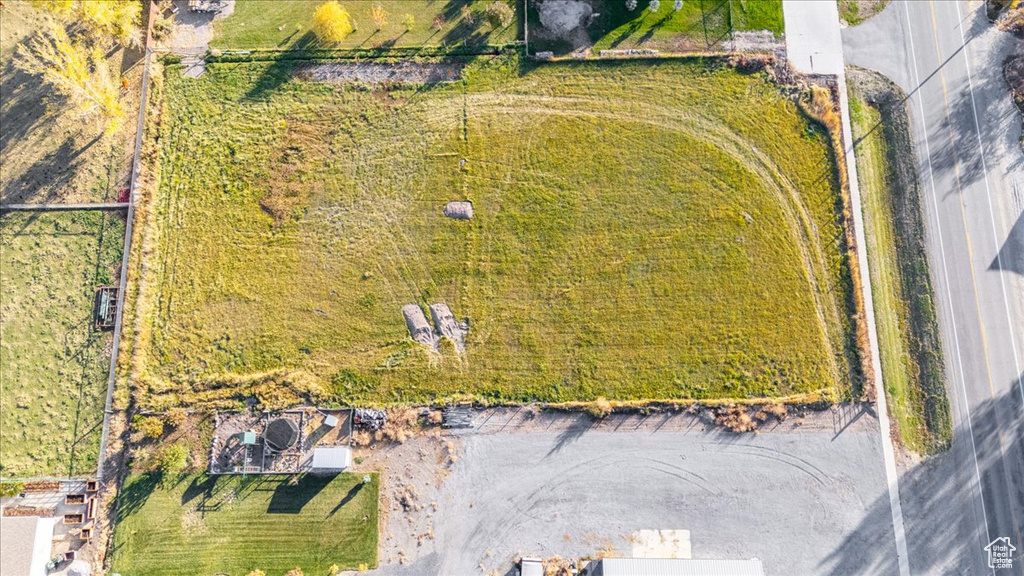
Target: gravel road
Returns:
[[558, 484]]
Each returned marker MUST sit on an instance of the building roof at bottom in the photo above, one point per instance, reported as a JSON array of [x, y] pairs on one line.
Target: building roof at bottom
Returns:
[[25, 545], [677, 567]]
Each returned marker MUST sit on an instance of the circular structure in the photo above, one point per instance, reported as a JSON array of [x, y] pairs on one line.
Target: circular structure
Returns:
[[281, 434]]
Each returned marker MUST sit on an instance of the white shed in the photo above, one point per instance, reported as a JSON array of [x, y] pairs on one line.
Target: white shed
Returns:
[[331, 459]]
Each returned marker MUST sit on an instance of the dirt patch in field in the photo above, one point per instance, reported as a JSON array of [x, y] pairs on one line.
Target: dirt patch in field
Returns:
[[374, 72]]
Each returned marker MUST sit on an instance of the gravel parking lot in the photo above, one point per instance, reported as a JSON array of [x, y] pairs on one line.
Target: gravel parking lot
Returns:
[[470, 501]]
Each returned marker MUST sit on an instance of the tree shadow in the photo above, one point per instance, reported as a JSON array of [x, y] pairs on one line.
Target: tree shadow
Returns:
[[571, 434], [942, 500], [280, 71], [349, 496], [288, 499], [200, 486], [134, 495]]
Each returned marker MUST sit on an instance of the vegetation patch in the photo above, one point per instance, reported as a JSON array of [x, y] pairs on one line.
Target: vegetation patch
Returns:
[[665, 25], [53, 380], [908, 335], [641, 230], [235, 525], [377, 24], [854, 12], [53, 146]]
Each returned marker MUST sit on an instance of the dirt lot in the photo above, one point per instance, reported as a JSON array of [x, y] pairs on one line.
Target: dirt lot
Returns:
[[542, 484]]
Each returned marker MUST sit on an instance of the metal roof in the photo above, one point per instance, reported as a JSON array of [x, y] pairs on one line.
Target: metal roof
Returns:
[[675, 567], [332, 458], [25, 545]]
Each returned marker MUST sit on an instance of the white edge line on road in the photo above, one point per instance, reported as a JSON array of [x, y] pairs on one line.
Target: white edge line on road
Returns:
[[945, 269], [991, 214]]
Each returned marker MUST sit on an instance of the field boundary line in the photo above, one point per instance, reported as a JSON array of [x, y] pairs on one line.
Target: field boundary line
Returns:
[[128, 228], [108, 206]]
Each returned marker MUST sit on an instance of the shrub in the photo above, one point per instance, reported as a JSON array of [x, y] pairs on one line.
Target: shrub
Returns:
[[379, 15], [257, 573], [150, 426], [630, 5], [438, 24], [294, 572], [332, 23], [8, 489], [466, 13], [735, 418], [173, 460], [599, 408], [499, 14], [176, 417], [655, 5], [409, 21]]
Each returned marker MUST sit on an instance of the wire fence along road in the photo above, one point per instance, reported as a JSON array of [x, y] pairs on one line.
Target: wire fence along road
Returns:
[[122, 284]]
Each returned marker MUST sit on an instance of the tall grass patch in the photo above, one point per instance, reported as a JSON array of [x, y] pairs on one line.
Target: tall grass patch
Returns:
[[656, 230]]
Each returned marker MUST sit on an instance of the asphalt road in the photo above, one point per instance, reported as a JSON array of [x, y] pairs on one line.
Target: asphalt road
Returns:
[[948, 58], [806, 497]]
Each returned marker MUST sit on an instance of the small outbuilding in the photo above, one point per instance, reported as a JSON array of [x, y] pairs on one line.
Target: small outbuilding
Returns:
[[331, 459], [26, 545]]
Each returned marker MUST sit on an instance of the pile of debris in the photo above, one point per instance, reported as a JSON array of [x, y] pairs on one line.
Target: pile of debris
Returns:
[[370, 419]]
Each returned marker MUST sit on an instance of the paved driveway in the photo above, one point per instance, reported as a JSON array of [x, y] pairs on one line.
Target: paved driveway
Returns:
[[804, 498]]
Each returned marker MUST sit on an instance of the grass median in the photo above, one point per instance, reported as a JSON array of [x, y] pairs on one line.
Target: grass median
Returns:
[[911, 353]]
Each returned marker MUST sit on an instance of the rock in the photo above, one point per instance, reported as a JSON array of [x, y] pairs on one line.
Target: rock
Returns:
[[459, 210]]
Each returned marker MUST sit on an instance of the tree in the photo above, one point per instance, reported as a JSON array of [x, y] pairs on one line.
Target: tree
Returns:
[[105, 19], [438, 23], [630, 5], [655, 5], [331, 23], [77, 72], [499, 14], [409, 21], [678, 5], [379, 15], [173, 460]]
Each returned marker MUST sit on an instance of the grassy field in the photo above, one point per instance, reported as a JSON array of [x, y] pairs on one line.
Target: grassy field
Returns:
[[232, 525], [698, 25], [643, 231], [286, 25], [53, 365], [47, 152], [904, 310]]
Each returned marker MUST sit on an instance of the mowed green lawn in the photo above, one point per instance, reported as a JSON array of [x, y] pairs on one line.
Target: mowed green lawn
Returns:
[[643, 230], [257, 24], [53, 365], [699, 24], [233, 525]]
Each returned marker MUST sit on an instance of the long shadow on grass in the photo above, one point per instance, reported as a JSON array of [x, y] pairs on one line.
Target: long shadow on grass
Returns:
[[291, 499], [135, 493], [352, 493], [280, 72]]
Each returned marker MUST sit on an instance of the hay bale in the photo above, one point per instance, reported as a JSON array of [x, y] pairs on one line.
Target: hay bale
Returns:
[[448, 326], [419, 328], [459, 210]]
